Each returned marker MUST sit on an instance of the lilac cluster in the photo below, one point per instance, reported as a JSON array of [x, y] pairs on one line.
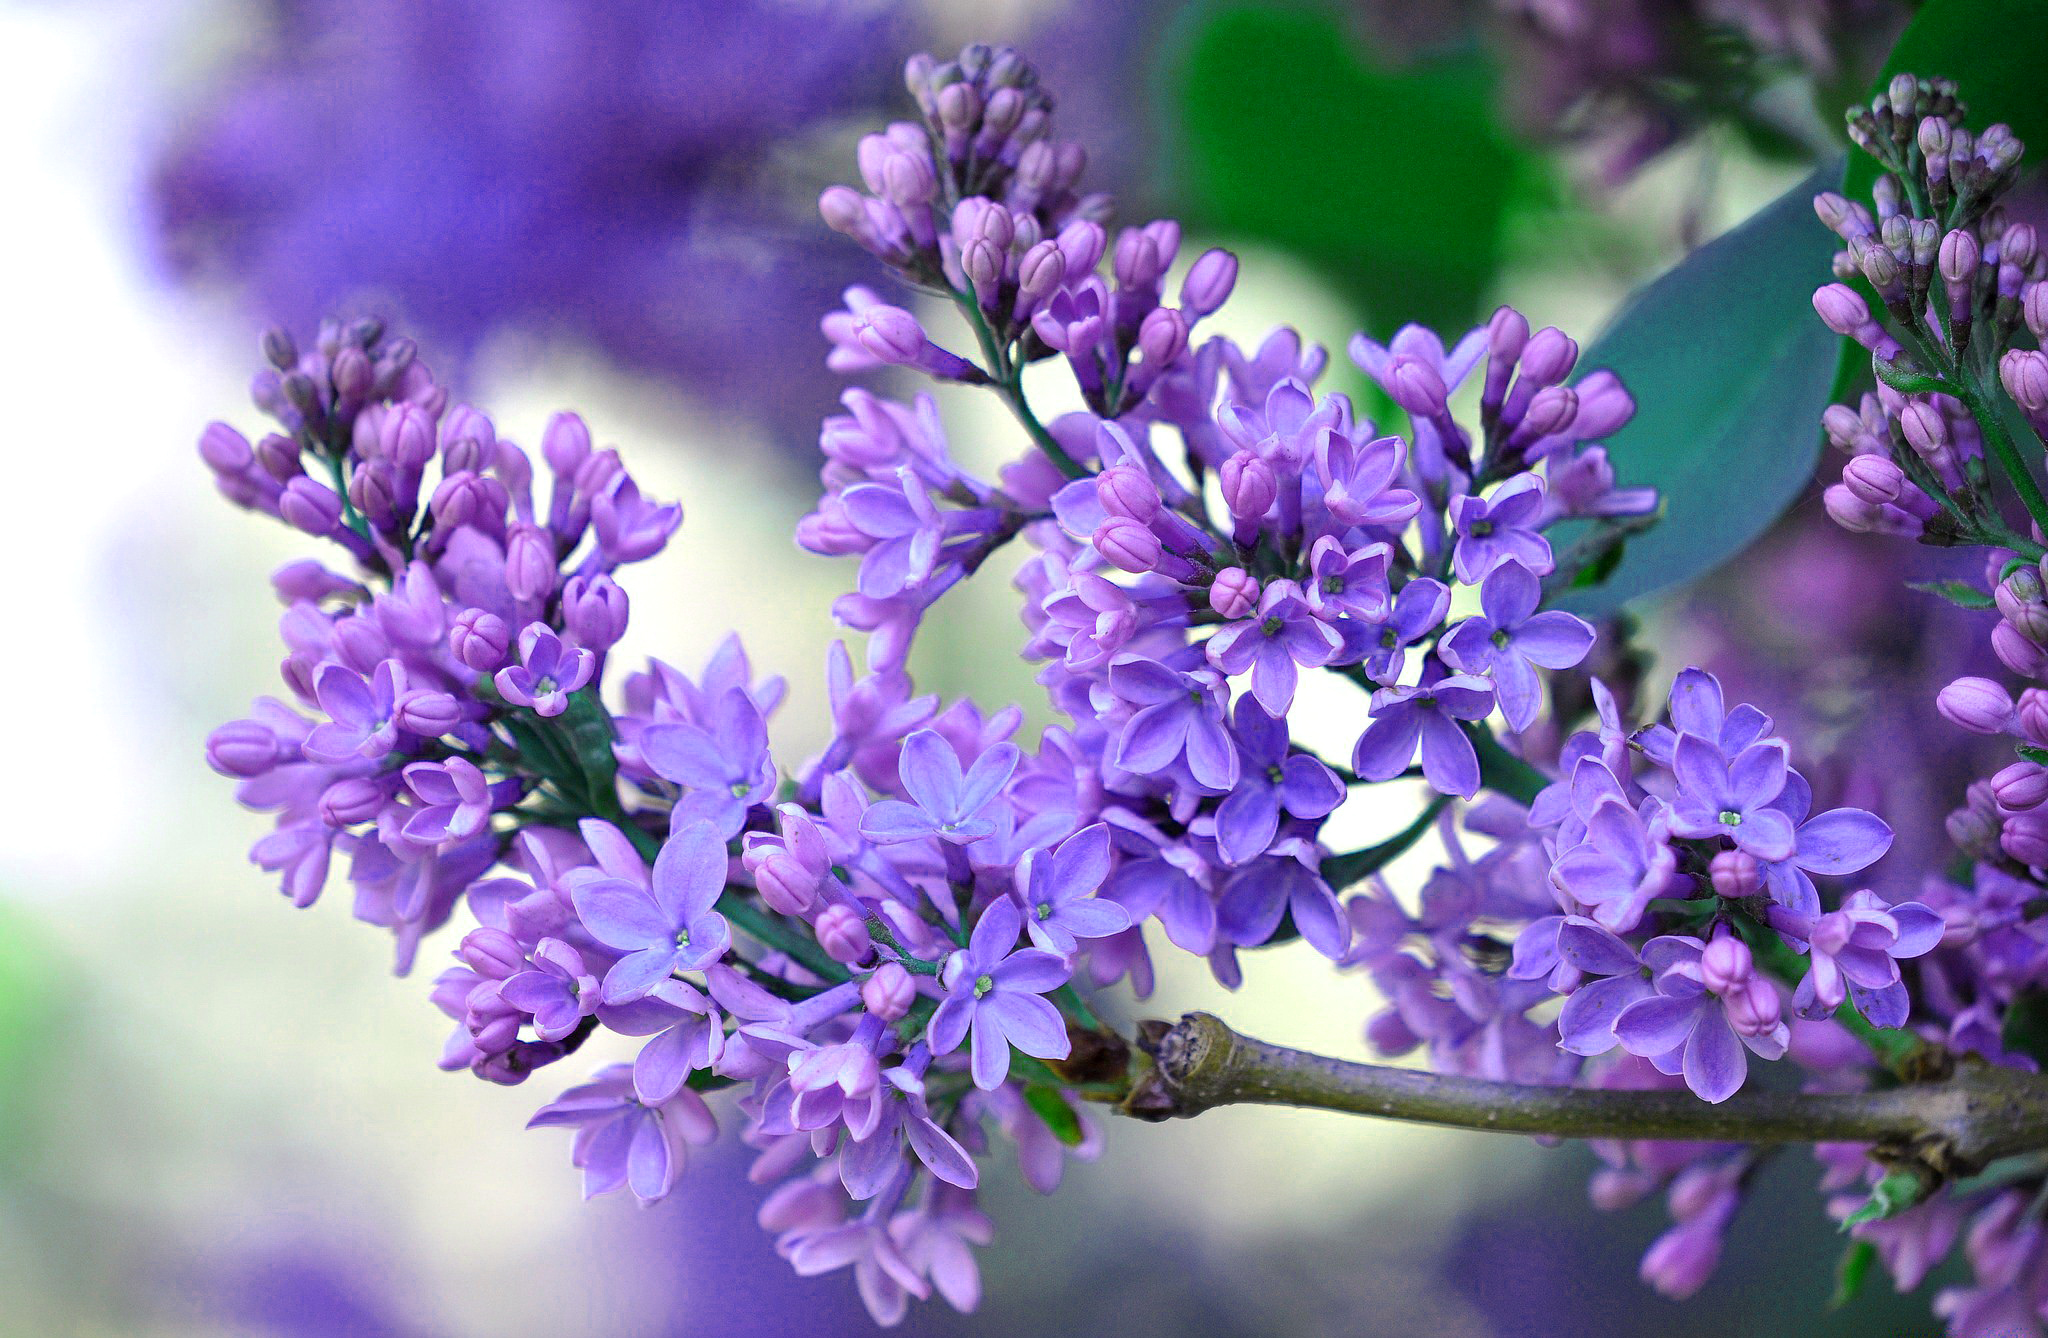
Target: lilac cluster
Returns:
[[887, 954], [1946, 291]]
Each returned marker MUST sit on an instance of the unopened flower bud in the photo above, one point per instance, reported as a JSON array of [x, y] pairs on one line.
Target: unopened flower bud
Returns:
[[312, 507], [1209, 281], [1234, 593], [1549, 357], [2021, 786], [480, 640], [1162, 336], [1874, 479], [2026, 658], [1041, 271], [1925, 429], [352, 375], [348, 802], [1126, 544], [1735, 873], [1976, 704], [2025, 838], [565, 444], [1958, 257], [842, 934], [492, 954], [427, 712], [2017, 246], [1974, 828], [889, 992], [1417, 387], [1249, 486], [1753, 1007], [2024, 373], [1842, 309], [242, 748], [783, 883], [1124, 490], [1848, 510], [530, 570], [1726, 964]]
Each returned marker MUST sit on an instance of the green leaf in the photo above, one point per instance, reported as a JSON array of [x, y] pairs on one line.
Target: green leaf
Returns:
[[1394, 183], [1051, 1106], [1959, 593], [1855, 1267], [1730, 371], [1341, 871], [2026, 1025], [2031, 753], [1896, 1192]]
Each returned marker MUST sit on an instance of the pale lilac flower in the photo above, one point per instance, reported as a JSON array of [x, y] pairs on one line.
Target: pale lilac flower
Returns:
[[1284, 882], [622, 1143], [1427, 715], [995, 993], [1857, 949], [663, 928], [1500, 529], [548, 672], [1282, 634], [1511, 641], [1623, 864], [723, 764], [1179, 715], [1353, 582], [558, 991], [457, 799], [1833, 844], [362, 712], [1719, 797], [1272, 778], [1685, 1029], [945, 802], [1418, 610], [1058, 888]]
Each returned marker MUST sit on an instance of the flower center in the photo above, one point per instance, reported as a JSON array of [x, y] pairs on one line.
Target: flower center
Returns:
[[1333, 585], [543, 685], [1271, 627], [1045, 910], [682, 938], [983, 984], [1481, 528], [740, 789], [1500, 637], [1730, 818], [1275, 774], [1390, 639]]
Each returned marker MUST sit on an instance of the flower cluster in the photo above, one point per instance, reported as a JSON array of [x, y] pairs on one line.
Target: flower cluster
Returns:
[[888, 955]]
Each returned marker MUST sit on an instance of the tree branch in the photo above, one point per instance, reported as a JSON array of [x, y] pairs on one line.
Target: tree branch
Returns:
[[1954, 1126]]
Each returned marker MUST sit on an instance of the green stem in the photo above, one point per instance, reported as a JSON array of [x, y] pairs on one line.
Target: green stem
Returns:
[[1341, 871]]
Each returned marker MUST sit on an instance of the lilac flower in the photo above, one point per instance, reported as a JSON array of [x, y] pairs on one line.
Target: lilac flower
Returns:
[[868, 1163], [362, 712], [549, 670], [1284, 633], [723, 764], [906, 528], [1623, 864], [1833, 844], [622, 1143], [1418, 610], [559, 992], [1717, 797], [1696, 708], [1586, 1025], [1683, 1028], [1352, 582], [1426, 715], [1272, 779], [1358, 482], [944, 802], [1057, 887], [1284, 882], [1500, 529], [666, 927], [1512, 641], [686, 1034], [995, 992], [457, 797], [1858, 949], [1180, 714]]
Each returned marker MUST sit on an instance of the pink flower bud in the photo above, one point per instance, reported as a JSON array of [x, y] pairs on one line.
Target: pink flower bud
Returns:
[[492, 954], [1925, 429], [1848, 510], [480, 640], [891, 334], [889, 992], [1507, 334], [225, 450], [242, 748], [565, 444], [1841, 309], [784, 884], [2025, 838], [1209, 281], [842, 934], [1726, 965], [594, 611], [1873, 479], [2021, 786], [1976, 704], [2034, 306], [1041, 271], [1234, 593], [1416, 387], [530, 570], [1125, 491], [312, 507], [1959, 257], [1126, 544], [347, 802], [2024, 373], [427, 712], [1249, 486], [2016, 653], [1162, 336], [1551, 411], [1549, 357], [1735, 873], [1753, 1007]]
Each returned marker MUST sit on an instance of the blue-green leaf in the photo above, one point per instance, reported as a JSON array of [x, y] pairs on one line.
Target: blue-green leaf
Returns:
[[1730, 370]]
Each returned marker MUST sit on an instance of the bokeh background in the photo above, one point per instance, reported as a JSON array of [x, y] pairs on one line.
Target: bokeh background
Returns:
[[221, 1117]]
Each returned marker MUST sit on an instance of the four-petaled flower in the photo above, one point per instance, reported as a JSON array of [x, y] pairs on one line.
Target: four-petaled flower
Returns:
[[1282, 634], [726, 767], [548, 672], [995, 995], [663, 928], [1719, 797], [945, 802], [1273, 777], [622, 1142], [1500, 529], [1058, 890], [1512, 641], [1426, 714]]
